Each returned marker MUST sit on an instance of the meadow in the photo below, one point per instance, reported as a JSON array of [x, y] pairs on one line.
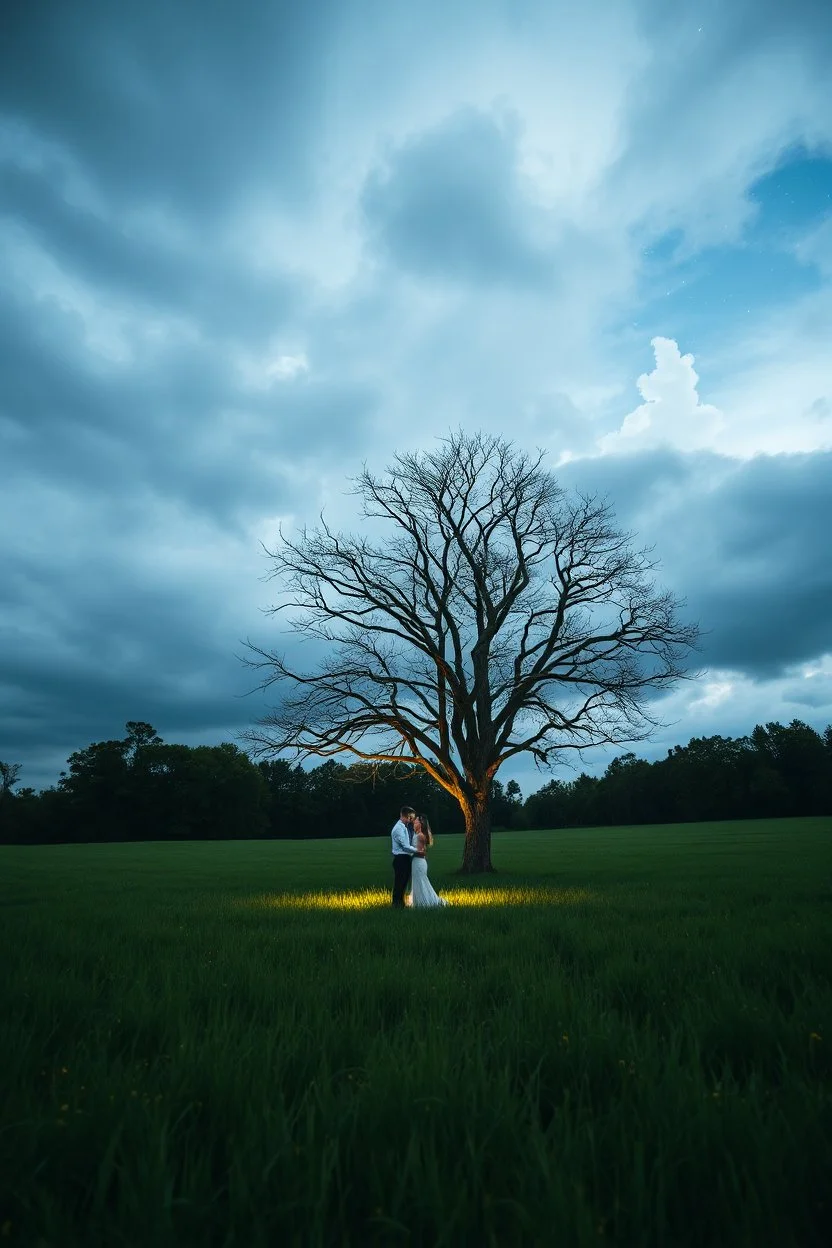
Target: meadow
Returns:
[[623, 1036]]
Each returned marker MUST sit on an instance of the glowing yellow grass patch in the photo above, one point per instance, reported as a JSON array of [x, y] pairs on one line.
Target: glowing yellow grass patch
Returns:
[[377, 898]]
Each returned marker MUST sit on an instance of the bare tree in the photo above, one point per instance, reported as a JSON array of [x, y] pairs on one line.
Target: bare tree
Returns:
[[500, 617], [9, 776]]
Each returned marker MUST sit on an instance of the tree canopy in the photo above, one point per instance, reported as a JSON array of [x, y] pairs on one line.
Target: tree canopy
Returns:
[[497, 616]]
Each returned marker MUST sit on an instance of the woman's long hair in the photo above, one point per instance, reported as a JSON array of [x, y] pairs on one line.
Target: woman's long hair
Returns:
[[426, 832]]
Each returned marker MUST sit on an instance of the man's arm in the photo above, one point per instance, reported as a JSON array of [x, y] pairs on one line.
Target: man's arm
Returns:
[[401, 841]]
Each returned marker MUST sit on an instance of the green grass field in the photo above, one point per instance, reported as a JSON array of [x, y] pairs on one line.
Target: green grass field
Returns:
[[624, 1036]]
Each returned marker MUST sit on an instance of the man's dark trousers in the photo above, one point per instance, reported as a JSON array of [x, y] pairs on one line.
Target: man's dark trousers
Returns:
[[402, 868]]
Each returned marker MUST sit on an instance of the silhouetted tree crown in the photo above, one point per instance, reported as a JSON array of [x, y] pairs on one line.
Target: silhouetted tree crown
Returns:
[[498, 617]]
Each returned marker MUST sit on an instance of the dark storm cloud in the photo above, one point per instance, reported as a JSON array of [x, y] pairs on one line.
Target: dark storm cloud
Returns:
[[135, 436], [52, 707], [449, 204], [43, 386], [148, 433], [771, 591], [748, 544], [190, 107], [130, 432], [157, 274], [182, 104], [172, 425], [90, 639]]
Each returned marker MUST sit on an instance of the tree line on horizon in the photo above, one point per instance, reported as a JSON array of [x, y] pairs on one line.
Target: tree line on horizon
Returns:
[[142, 788]]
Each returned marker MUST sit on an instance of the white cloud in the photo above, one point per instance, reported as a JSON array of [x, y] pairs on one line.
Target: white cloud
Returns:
[[732, 703], [820, 668], [261, 372], [776, 388], [287, 366], [672, 413], [714, 693], [774, 397]]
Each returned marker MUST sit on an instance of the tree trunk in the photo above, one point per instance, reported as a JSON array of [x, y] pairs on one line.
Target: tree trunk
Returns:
[[476, 856]]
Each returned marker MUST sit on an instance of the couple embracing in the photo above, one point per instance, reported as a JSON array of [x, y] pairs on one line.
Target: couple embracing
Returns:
[[411, 838]]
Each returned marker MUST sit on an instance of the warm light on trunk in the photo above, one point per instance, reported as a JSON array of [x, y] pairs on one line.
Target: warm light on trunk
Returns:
[[476, 856]]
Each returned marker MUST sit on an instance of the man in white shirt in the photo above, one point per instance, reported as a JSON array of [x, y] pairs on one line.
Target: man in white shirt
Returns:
[[403, 853]]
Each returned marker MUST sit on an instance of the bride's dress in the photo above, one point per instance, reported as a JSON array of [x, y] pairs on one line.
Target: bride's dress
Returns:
[[421, 890]]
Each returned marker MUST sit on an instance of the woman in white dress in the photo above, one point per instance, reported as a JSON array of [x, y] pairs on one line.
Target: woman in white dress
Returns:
[[421, 889]]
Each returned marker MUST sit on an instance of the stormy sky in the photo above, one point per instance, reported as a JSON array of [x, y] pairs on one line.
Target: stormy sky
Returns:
[[246, 246]]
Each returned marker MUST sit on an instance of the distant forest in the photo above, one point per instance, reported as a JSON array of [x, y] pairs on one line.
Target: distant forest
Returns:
[[141, 788]]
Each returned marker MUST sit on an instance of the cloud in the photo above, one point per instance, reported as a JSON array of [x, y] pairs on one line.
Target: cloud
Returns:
[[450, 204], [285, 367], [815, 248], [245, 249], [774, 395], [148, 264], [745, 542], [728, 704], [190, 107], [113, 614], [725, 92], [774, 382], [672, 412], [731, 703]]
